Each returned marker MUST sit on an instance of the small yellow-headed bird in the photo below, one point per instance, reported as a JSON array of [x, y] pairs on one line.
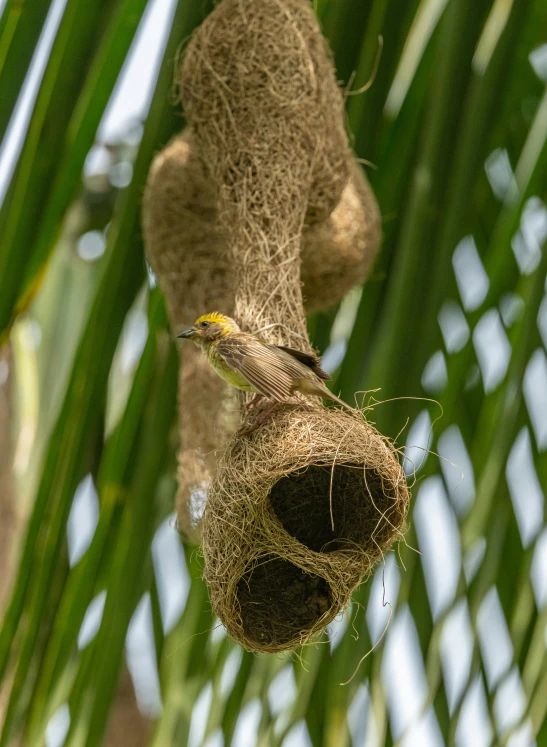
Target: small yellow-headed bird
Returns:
[[252, 365]]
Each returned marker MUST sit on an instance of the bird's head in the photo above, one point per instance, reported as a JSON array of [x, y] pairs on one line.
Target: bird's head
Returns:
[[210, 328]]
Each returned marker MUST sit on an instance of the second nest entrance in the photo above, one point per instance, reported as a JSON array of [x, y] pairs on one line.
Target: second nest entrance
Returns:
[[279, 601], [330, 508]]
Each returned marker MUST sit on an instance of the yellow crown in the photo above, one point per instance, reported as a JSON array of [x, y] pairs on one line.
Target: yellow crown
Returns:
[[214, 317]]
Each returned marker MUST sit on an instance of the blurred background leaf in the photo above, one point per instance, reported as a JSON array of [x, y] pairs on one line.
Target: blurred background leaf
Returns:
[[107, 629]]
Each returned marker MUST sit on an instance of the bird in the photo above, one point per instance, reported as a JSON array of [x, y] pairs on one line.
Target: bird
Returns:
[[252, 365]]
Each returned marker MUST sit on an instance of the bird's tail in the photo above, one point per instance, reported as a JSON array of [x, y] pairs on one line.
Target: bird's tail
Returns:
[[306, 386], [329, 395]]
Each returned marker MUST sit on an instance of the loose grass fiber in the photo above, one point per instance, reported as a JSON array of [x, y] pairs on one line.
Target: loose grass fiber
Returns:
[[304, 506]]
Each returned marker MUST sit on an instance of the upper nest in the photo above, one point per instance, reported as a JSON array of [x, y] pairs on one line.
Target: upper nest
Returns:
[[253, 81]]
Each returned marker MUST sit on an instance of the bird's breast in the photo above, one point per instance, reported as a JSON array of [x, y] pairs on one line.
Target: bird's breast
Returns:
[[220, 366]]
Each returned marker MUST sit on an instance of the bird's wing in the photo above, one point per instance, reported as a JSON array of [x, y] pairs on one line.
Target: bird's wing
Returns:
[[270, 370], [309, 360]]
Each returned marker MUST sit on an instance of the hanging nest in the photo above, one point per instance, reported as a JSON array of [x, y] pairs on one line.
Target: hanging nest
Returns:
[[302, 508], [187, 251], [338, 253], [301, 512]]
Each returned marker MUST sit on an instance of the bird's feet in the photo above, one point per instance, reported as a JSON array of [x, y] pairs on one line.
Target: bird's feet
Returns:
[[264, 416], [254, 402]]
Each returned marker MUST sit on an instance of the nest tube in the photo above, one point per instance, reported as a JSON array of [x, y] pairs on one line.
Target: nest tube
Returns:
[[302, 508]]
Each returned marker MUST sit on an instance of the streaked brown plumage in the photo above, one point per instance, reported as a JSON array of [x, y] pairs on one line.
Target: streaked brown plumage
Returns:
[[252, 365]]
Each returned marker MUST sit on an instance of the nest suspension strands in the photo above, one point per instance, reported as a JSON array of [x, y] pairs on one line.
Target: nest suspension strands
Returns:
[[302, 509], [180, 221]]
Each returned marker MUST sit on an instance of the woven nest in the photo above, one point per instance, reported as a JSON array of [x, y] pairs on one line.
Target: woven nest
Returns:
[[338, 252], [303, 507], [302, 510]]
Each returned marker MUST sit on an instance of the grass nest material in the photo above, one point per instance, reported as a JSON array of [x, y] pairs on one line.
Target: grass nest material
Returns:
[[300, 512], [190, 255]]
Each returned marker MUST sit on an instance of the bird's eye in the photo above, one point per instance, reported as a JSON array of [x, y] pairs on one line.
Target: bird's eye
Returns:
[[203, 324]]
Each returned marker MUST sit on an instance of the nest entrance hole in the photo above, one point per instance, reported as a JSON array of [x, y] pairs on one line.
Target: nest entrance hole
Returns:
[[360, 504], [279, 602]]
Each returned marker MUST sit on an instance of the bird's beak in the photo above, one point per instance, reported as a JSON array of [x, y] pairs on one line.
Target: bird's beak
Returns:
[[188, 333]]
